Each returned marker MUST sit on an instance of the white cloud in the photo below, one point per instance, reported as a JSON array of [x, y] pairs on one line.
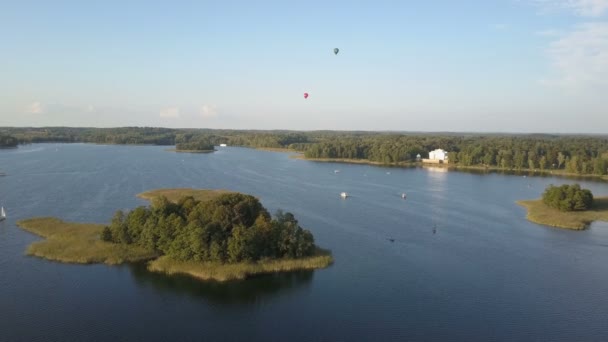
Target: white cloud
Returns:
[[169, 113], [34, 108], [580, 57], [586, 8], [208, 111]]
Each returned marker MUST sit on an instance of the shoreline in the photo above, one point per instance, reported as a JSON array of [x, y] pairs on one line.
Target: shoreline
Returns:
[[189, 151], [455, 167], [276, 149], [216, 271]]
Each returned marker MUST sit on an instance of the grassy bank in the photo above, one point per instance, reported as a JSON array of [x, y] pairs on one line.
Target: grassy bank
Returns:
[[239, 271], [174, 195], [189, 151], [78, 243], [540, 213]]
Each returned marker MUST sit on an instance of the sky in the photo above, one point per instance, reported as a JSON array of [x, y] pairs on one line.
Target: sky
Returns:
[[474, 66]]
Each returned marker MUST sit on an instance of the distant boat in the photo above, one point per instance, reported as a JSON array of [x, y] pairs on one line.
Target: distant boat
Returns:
[[391, 240], [403, 195], [223, 145], [388, 173], [344, 195], [2, 214], [336, 171]]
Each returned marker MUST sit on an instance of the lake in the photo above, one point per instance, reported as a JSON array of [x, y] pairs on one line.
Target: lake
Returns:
[[486, 274]]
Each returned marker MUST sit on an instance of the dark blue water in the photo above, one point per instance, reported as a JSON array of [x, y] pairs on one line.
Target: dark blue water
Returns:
[[487, 273]]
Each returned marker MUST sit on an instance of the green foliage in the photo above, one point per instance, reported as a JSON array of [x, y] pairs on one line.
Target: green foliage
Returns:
[[195, 144], [230, 228], [568, 197], [8, 141]]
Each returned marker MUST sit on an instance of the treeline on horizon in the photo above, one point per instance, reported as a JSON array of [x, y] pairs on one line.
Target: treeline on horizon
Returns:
[[230, 228], [577, 154]]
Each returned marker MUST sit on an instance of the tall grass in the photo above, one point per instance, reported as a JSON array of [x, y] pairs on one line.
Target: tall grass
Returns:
[[540, 213], [174, 195], [224, 272], [78, 243]]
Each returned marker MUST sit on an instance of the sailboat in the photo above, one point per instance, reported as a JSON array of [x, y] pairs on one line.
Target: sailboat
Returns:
[[2, 214]]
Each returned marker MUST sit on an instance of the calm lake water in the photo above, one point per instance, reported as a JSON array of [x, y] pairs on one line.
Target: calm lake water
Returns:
[[487, 274]]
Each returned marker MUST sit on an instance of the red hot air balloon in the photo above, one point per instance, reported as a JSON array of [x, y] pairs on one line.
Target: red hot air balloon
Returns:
[[305, 95]]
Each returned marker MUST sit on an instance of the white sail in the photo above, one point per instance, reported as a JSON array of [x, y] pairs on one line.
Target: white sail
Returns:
[[2, 213]]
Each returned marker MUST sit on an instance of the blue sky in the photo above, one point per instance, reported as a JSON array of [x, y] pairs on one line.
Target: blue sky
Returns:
[[500, 65]]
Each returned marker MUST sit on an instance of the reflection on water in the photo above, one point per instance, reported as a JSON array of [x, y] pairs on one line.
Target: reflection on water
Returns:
[[253, 290], [436, 169]]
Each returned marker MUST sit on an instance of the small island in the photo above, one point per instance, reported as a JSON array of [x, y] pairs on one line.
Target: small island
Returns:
[[566, 206], [190, 145], [208, 234]]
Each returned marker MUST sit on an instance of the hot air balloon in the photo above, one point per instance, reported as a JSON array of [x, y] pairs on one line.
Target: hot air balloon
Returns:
[[336, 50], [305, 95]]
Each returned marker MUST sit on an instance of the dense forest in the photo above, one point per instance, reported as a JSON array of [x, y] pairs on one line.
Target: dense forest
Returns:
[[576, 154], [231, 228]]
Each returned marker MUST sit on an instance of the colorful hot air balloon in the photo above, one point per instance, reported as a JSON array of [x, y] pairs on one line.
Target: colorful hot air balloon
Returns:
[[336, 50], [305, 95]]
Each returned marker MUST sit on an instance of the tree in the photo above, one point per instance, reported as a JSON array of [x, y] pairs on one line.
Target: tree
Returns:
[[106, 234], [568, 197], [561, 159]]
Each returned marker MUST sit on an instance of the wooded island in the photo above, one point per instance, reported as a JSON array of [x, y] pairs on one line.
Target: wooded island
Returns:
[[207, 234]]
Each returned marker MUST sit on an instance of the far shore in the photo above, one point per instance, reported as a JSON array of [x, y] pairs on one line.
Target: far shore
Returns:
[[540, 213], [456, 167]]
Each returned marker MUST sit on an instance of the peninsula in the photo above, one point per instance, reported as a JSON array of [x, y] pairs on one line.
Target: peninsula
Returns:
[[208, 234]]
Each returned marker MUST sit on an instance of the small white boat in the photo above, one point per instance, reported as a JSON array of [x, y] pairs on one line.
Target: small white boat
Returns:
[[223, 145], [336, 171], [403, 195], [2, 214], [344, 195]]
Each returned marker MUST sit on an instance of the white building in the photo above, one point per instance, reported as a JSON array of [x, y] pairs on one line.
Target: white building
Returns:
[[437, 156]]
